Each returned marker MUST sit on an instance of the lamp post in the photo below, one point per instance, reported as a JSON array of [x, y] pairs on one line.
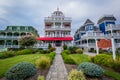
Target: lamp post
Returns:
[[113, 44], [113, 48], [97, 49]]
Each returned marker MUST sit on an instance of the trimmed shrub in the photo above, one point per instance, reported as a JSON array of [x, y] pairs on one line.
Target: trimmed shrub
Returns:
[[76, 75], [32, 50], [107, 60], [20, 71], [7, 54], [68, 59], [43, 62], [64, 47], [52, 49], [118, 50], [45, 52], [79, 51], [39, 50], [52, 55], [92, 59], [91, 69], [49, 46], [72, 49], [103, 59], [40, 78], [116, 65], [25, 51], [66, 51]]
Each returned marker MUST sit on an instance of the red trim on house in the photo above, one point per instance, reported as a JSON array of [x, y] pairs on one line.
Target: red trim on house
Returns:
[[55, 38]]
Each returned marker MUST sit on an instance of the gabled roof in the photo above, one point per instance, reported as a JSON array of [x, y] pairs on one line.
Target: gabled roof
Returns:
[[106, 17], [88, 21]]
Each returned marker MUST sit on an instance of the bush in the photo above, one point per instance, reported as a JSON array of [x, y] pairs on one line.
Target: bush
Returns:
[[45, 51], [7, 54], [76, 75], [107, 60], [118, 50], [92, 50], [25, 51], [72, 49], [103, 59], [64, 47], [116, 65], [52, 49], [43, 62], [32, 50], [103, 51], [66, 51], [91, 69], [49, 46], [40, 78], [92, 59], [79, 51], [20, 71], [52, 55], [68, 59], [41, 51]]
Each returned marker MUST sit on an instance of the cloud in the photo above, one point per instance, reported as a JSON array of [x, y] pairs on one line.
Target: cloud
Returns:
[[32, 12]]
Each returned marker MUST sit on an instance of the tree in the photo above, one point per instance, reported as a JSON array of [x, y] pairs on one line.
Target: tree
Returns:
[[27, 41], [64, 46], [49, 46]]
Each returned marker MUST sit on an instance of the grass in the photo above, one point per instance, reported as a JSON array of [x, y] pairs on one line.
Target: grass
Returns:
[[112, 74], [79, 58], [5, 64]]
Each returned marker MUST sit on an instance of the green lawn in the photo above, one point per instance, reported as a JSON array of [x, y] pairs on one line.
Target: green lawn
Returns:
[[5, 64], [112, 74], [79, 58]]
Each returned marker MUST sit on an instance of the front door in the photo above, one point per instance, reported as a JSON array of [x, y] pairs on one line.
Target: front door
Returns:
[[58, 43]]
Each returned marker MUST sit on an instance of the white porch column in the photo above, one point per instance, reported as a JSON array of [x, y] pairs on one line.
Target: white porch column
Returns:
[[61, 25], [87, 43], [11, 43], [55, 33], [53, 24], [113, 48], [97, 49], [5, 44]]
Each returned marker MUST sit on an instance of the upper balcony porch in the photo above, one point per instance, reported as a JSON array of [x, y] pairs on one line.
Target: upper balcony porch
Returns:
[[57, 28], [51, 19], [114, 35], [9, 37], [93, 35], [112, 27]]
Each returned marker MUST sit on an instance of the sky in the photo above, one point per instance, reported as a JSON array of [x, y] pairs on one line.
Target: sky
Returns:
[[32, 12]]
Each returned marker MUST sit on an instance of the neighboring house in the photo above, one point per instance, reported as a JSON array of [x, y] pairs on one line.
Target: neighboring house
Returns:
[[10, 36], [85, 37], [57, 30]]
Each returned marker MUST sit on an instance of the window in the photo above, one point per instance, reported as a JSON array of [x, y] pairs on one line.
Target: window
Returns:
[[91, 27], [14, 28]]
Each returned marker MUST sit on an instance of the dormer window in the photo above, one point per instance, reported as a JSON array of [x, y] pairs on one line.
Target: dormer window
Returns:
[[89, 27]]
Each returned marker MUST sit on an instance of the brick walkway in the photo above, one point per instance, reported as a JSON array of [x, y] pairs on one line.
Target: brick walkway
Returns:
[[57, 70]]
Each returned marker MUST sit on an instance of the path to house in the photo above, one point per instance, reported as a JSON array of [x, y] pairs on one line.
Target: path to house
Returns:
[[57, 70]]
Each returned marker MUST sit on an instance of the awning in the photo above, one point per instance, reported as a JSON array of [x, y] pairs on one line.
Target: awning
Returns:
[[55, 38]]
